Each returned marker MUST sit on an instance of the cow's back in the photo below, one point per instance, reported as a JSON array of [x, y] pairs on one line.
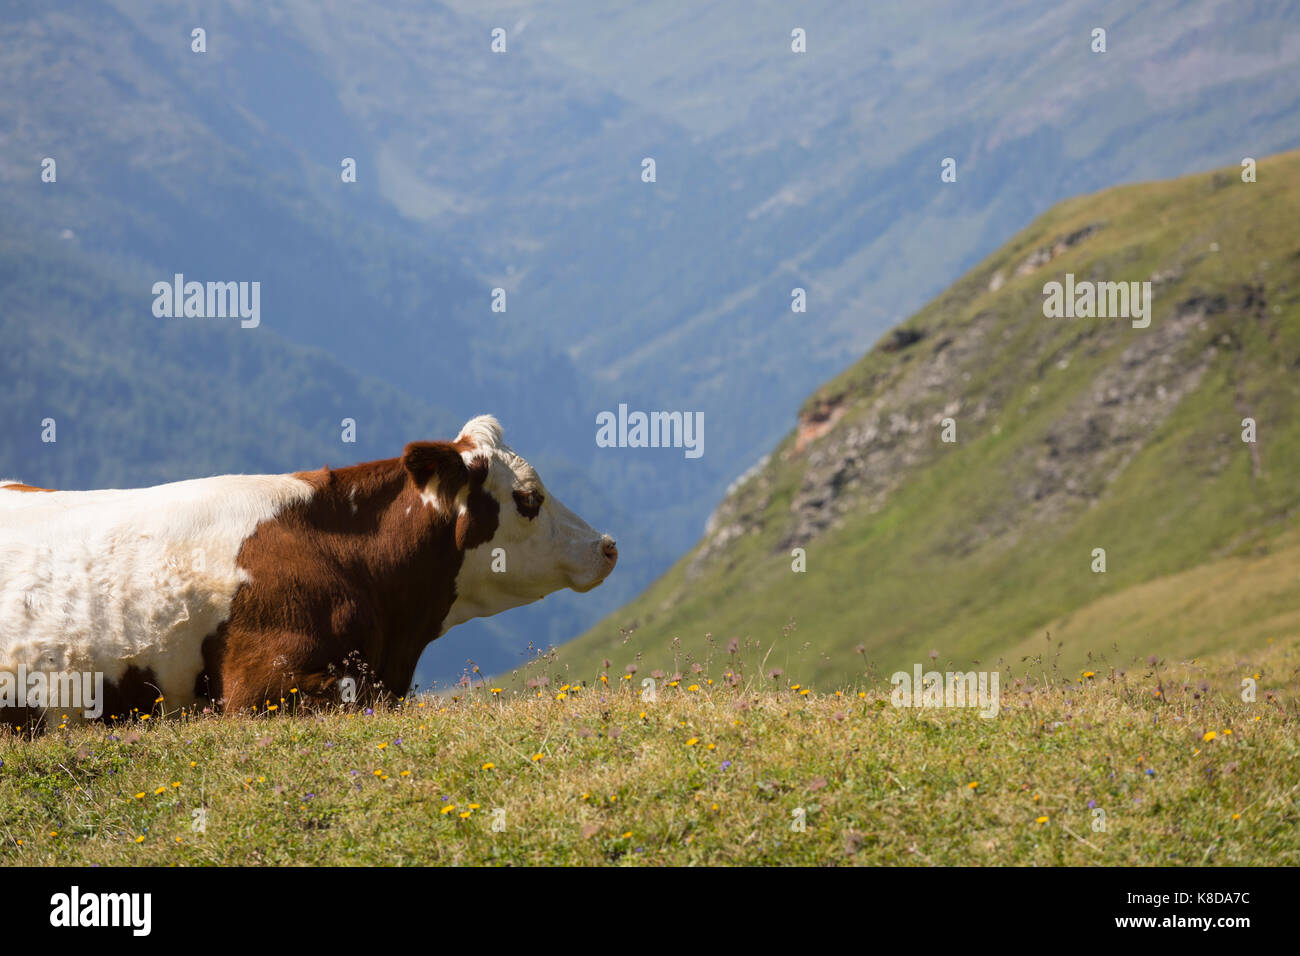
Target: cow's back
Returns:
[[118, 580]]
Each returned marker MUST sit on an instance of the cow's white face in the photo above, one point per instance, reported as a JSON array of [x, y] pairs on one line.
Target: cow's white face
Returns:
[[539, 546]]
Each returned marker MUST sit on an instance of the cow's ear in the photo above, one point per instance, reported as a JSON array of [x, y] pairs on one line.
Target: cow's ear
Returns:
[[478, 522], [437, 468]]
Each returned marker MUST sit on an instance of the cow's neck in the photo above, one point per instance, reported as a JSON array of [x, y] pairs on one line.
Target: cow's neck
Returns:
[[399, 559]]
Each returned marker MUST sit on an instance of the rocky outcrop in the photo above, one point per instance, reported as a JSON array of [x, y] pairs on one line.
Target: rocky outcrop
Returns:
[[816, 423], [858, 448]]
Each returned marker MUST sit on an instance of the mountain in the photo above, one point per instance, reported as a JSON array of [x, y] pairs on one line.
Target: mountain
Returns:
[[522, 171], [1070, 435], [224, 166], [137, 400], [821, 170]]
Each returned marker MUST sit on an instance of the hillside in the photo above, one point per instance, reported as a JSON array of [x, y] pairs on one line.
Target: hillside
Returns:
[[521, 171], [1161, 766], [1071, 435]]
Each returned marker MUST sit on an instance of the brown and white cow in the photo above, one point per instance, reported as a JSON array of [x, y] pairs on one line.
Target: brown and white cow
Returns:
[[243, 588]]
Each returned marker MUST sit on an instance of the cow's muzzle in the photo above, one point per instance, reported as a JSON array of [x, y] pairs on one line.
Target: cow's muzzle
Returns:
[[606, 556]]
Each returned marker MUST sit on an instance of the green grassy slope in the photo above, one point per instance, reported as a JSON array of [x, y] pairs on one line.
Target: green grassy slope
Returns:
[[1073, 434], [1183, 772]]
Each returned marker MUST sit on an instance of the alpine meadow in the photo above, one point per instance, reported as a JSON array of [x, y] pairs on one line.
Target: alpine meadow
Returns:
[[562, 434]]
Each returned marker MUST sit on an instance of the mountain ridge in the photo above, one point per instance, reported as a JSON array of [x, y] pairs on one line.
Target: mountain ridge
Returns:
[[1071, 435]]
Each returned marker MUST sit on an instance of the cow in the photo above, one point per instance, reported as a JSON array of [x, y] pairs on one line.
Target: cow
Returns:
[[241, 591]]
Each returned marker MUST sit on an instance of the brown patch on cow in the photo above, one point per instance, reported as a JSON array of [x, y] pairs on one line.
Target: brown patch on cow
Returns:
[[18, 487], [207, 685], [436, 464], [31, 719], [353, 583], [134, 693], [482, 514]]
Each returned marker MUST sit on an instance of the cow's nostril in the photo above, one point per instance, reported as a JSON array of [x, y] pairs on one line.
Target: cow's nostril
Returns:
[[609, 549]]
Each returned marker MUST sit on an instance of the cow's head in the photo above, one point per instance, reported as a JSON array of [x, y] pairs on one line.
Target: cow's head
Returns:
[[519, 543]]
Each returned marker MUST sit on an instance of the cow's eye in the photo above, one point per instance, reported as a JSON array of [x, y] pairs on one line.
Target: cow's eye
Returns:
[[529, 503]]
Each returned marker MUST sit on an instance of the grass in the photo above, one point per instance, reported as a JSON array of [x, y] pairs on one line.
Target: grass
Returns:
[[1185, 771]]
